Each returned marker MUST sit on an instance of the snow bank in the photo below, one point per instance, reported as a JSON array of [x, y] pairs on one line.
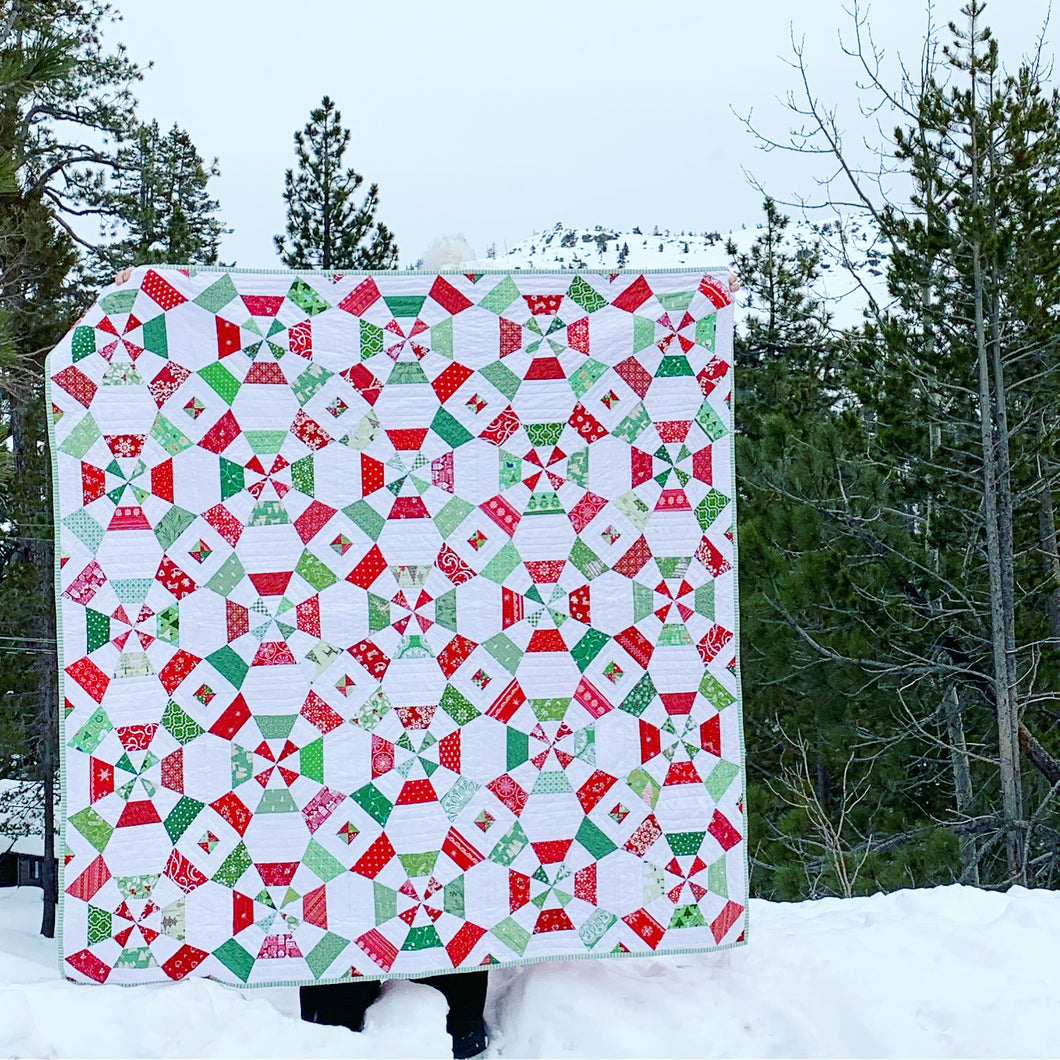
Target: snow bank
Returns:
[[950, 972]]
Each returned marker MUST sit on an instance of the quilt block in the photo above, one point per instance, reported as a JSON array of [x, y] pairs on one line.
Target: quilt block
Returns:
[[398, 620]]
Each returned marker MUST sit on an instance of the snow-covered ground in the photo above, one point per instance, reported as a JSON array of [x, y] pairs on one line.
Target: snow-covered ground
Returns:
[[951, 972]]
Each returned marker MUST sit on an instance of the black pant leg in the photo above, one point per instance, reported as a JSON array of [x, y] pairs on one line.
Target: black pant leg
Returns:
[[338, 1004], [466, 993]]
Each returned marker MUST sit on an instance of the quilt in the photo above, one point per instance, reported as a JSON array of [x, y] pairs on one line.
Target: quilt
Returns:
[[398, 623]]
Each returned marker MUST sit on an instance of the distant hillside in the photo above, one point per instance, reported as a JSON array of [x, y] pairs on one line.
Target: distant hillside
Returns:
[[648, 247]]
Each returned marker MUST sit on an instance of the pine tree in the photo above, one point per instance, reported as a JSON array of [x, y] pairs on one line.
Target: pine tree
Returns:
[[326, 227], [62, 91], [820, 732], [945, 521], [67, 106], [163, 202], [970, 393]]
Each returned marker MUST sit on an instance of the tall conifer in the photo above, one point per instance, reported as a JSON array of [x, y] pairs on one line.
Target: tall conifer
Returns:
[[945, 521], [62, 91], [327, 228], [965, 387], [163, 202], [820, 732]]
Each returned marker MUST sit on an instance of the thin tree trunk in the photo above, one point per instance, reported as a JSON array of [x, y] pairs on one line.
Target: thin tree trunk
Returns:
[[951, 707], [962, 783], [42, 555], [1040, 758], [990, 408], [326, 200], [1011, 800], [1005, 514], [50, 869]]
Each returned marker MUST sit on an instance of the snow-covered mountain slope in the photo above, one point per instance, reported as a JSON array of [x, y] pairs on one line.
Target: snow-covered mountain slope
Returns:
[[949, 972], [852, 263]]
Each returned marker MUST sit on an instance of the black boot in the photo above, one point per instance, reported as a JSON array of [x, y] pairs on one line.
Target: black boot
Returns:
[[466, 994], [469, 1037]]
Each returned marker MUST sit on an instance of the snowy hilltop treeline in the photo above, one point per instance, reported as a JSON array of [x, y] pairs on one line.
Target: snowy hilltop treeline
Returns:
[[852, 264]]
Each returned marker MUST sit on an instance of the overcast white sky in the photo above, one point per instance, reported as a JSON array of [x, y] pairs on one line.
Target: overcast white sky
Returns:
[[498, 118]]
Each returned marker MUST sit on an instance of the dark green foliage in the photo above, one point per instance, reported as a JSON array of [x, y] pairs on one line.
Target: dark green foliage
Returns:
[[326, 227], [833, 773], [970, 396], [163, 203], [60, 91], [898, 541]]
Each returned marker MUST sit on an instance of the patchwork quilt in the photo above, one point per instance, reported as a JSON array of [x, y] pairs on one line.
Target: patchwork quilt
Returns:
[[398, 623]]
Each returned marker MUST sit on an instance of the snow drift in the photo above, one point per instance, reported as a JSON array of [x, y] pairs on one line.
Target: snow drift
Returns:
[[950, 972]]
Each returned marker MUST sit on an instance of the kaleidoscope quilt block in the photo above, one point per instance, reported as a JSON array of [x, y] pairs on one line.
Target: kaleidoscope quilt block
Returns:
[[398, 623]]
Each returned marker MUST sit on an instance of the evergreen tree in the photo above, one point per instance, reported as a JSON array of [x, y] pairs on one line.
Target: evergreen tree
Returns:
[[61, 90], [326, 227], [833, 780], [163, 202], [973, 352], [939, 504]]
